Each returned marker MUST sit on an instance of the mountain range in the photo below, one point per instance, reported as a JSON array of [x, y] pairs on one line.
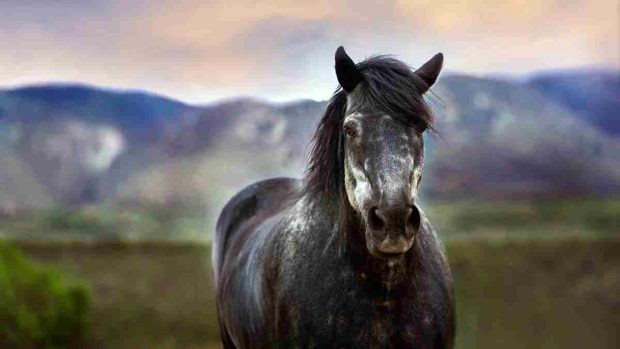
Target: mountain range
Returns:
[[552, 134]]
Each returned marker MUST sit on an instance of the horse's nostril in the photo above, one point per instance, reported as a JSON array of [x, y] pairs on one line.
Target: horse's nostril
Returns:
[[395, 218], [374, 220], [414, 218]]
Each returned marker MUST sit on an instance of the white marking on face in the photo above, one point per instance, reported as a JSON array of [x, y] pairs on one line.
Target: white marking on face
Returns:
[[394, 178], [417, 175], [351, 116], [357, 186], [393, 166]]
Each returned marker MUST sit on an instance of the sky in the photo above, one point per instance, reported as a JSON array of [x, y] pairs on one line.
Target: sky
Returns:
[[201, 51]]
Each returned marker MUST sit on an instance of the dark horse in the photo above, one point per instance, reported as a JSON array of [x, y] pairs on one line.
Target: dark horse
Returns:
[[344, 258]]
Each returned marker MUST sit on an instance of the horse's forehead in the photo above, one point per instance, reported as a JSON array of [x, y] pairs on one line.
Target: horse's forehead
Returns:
[[376, 120], [382, 132], [384, 128], [356, 115]]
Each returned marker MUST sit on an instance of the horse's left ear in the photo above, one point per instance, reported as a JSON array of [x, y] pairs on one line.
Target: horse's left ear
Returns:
[[430, 70]]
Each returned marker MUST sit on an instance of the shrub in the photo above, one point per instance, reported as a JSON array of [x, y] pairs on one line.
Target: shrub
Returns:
[[38, 309]]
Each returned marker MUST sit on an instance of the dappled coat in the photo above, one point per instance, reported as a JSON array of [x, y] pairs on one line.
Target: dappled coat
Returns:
[[344, 258]]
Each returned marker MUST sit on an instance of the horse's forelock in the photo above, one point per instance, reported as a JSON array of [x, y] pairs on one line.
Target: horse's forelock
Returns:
[[392, 87]]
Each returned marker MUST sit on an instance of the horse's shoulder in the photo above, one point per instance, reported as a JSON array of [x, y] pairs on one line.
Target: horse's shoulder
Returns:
[[256, 199], [262, 195]]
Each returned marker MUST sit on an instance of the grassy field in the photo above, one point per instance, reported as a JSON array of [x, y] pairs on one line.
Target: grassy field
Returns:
[[453, 220], [528, 275], [560, 293], [537, 293], [145, 295], [542, 219]]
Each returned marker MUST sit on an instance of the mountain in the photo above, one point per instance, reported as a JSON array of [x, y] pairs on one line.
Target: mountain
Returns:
[[227, 147], [72, 145], [505, 139], [593, 94], [496, 139], [70, 138], [128, 110]]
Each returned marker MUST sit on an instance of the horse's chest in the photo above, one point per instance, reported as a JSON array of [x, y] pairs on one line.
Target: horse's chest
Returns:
[[341, 315]]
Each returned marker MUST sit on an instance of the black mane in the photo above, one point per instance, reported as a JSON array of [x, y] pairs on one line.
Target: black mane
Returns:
[[389, 86]]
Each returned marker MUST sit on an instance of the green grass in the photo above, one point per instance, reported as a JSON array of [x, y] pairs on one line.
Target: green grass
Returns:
[[125, 222], [38, 307], [593, 218], [525, 293], [537, 293], [157, 295], [528, 274]]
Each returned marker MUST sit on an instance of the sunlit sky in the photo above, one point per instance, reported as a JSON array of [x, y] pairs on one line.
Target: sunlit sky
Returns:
[[200, 51]]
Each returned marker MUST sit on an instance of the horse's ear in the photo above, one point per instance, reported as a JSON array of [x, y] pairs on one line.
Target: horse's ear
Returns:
[[430, 70], [346, 71]]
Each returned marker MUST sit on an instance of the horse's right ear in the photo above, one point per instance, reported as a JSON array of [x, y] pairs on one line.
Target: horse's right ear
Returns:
[[429, 72], [346, 71]]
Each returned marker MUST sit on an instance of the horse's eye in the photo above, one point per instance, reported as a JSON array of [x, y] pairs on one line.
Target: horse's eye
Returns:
[[350, 131]]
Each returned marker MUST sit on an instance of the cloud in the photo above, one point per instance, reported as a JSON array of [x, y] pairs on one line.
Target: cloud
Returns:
[[202, 50]]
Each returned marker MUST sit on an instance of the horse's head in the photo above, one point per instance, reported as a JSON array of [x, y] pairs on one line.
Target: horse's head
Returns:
[[381, 146]]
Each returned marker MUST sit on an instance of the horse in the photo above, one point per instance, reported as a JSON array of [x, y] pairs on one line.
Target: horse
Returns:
[[345, 257]]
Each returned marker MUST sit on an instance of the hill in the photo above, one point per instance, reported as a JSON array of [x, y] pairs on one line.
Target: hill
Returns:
[[592, 94], [71, 145]]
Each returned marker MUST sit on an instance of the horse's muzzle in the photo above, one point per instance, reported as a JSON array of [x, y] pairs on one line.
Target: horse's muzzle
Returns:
[[395, 245], [392, 230]]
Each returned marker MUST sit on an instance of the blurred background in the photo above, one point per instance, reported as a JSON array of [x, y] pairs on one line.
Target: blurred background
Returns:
[[125, 126]]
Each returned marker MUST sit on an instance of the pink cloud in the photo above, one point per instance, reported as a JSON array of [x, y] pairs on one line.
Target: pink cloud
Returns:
[[200, 51]]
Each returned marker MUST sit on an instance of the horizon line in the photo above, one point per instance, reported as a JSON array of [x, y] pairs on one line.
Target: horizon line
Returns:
[[117, 89]]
